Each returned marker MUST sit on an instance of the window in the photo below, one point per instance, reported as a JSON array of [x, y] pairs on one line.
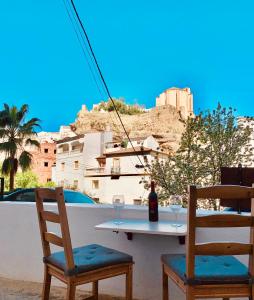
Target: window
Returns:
[[95, 184], [46, 164], [55, 151], [75, 184], [48, 179], [46, 150], [116, 162], [76, 164], [116, 166], [62, 166]]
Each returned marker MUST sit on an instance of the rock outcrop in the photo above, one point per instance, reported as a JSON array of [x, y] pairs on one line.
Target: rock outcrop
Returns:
[[162, 122]]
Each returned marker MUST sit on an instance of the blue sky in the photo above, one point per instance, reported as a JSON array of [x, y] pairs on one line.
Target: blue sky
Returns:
[[143, 47]]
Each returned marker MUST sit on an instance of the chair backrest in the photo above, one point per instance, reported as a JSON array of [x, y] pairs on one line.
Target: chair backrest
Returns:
[[60, 218], [218, 221]]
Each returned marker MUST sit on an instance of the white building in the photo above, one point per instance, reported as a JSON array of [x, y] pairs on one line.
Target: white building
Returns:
[[123, 170], [75, 154], [93, 164]]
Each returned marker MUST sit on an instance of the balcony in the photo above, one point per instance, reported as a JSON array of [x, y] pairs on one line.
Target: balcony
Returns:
[[21, 245], [94, 171]]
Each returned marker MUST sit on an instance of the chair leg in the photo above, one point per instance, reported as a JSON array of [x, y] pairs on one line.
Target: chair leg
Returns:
[[46, 284], [95, 290], [164, 284], [129, 284], [189, 293], [71, 289]]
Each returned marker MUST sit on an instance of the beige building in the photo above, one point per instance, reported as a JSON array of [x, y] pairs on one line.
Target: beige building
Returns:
[[181, 99]]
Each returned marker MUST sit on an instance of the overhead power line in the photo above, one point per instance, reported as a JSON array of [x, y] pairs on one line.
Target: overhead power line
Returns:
[[105, 87], [87, 55], [79, 37], [102, 77]]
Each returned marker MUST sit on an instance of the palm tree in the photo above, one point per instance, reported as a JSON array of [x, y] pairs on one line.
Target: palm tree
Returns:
[[15, 135]]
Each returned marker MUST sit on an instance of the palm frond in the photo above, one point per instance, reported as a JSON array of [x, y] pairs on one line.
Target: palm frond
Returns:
[[29, 127], [31, 142], [6, 166], [3, 132], [4, 116], [13, 115], [9, 147], [6, 107], [25, 160], [22, 112]]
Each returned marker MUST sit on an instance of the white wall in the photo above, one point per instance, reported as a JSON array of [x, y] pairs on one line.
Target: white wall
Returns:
[[93, 145], [149, 142], [128, 186], [21, 254], [70, 174]]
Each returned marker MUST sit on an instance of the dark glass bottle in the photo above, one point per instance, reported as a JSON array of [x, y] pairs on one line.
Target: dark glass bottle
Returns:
[[153, 204]]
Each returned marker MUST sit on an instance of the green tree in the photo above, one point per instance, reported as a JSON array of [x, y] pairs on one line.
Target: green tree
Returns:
[[121, 106], [15, 135], [49, 184], [189, 164], [26, 179], [224, 142], [211, 140]]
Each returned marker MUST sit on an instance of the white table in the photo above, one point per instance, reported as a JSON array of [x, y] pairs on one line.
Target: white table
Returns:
[[131, 226]]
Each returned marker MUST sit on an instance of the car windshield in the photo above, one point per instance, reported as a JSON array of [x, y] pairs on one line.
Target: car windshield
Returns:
[[76, 197]]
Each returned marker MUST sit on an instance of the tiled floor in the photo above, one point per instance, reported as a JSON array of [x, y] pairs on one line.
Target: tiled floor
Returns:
[[22, 290]]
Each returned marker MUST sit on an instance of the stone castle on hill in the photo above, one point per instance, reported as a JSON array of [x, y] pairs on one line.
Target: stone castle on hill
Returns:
[[181, 99]]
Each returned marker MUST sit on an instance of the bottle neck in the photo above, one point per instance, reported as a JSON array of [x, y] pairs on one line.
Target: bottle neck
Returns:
[[152, 186]]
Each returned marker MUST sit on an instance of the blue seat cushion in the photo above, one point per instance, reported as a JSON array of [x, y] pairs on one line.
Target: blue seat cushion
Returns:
[[209, 269], [89, 258]]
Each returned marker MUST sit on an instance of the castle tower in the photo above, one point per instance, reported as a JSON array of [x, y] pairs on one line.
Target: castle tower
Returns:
[[181, 99]]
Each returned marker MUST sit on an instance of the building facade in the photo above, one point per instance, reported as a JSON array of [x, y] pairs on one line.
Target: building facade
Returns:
[[75, 154], [181, 99], [123, 171], [43, 160]]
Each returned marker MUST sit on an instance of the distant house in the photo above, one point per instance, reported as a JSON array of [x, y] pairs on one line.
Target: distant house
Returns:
[[75, 154], [145, 141], [44, 158], [123, 170], [94, 164]]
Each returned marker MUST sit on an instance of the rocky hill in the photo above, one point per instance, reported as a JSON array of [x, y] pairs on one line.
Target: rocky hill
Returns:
[[163, 122]]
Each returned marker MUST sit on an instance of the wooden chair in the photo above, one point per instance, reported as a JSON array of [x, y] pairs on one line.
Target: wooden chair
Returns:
[[79, 265], [210, 270]]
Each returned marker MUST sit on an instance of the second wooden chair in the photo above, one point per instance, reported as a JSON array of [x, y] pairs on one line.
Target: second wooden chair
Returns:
[[211, 270]]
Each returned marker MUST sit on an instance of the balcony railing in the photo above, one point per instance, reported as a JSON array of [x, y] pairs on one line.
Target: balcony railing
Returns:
[[115, 170], [95, 171]]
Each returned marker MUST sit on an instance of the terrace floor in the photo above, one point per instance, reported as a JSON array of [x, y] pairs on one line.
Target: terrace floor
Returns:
[[23, 290]]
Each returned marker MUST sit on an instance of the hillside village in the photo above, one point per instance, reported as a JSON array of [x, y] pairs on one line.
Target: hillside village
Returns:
[[93, 155]]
